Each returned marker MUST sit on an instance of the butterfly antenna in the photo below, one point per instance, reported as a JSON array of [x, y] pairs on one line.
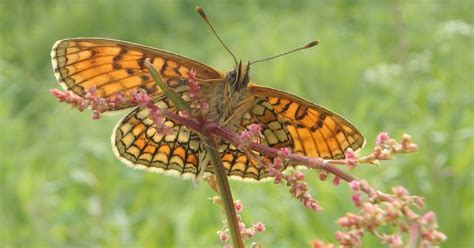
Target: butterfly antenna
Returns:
[[203, 15], [309, 45]]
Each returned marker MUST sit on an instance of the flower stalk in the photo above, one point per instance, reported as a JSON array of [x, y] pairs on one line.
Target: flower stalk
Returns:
[[224, 191], [212, 148]]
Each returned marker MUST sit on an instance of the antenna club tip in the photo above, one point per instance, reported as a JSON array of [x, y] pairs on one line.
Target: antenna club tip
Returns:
[[201, 12], [312, 44]]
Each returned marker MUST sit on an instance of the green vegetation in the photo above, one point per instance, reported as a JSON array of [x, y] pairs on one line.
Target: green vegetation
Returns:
[[396, 67]]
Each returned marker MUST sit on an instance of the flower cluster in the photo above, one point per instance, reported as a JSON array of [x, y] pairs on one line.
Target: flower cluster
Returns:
[[142, 99], [299, 188], [99, 105], [198, 105], [386, 148], [379, 209], [251, 134], [351, 158], [91, 100], [246, 233]]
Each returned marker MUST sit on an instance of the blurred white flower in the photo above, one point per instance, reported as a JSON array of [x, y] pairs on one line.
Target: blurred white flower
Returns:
[[382, 74], [94, 206], [452, 28], [419, 62], [83, 177]]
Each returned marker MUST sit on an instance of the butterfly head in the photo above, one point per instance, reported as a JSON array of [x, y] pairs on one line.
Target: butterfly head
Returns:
[[238, 77]]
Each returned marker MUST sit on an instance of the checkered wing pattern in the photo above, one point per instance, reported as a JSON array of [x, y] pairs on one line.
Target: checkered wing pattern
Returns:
[[113, 66]]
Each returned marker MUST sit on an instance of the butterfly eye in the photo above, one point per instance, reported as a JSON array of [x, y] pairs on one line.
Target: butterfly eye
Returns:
[[231, 76]]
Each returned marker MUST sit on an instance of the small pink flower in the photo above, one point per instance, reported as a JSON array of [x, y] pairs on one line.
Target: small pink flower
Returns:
[[285, 152], [351, 158], [259, 227], [248, 233], [192, 75], [382, 138], [323, 175], [399, 191], [396, 241], [140, 97], [249, 135], [254, 128], [321, 244], [223, 236], [357, 199], [429, 218], [419, 201], [336, 181], [238, 206], [351, 238], [354, 185], [241, 226], [299, 175]]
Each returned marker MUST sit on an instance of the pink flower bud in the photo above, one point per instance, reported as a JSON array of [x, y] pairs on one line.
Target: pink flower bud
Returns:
[[355, 185], [285, 152], [241, 226], [323, 175], [382, 138], [238, 206], [299, 175], [223, 236], [259, 227], [429, 218], [336, 180], [399, 191], [249, 233], [357, 199], [254, 128]]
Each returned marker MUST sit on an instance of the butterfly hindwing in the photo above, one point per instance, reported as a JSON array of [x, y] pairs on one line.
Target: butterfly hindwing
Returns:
[[137, 143], [113, 66]]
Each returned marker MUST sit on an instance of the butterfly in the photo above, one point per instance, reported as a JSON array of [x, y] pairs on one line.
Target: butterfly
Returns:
[[112, 66]]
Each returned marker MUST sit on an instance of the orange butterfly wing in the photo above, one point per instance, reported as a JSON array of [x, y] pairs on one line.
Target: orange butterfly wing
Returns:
[[137, 143], [289, 121], [306, 128], [113, 66]]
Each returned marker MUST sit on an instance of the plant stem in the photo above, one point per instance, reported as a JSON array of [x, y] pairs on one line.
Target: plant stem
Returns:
[[224, 190], [176, 99], [227, 134], [212, 149]]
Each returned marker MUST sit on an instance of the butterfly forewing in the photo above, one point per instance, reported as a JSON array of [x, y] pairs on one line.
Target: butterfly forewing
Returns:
[[113, 66]]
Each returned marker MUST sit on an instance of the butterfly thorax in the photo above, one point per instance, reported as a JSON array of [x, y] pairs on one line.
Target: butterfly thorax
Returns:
[[229, 99]]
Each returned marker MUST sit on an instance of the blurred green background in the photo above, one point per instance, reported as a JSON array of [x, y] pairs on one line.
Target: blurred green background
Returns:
[[402, 66]]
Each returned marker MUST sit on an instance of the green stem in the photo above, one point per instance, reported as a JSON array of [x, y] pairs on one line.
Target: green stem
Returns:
[[212, 149], [177, 100], [224, 190]]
